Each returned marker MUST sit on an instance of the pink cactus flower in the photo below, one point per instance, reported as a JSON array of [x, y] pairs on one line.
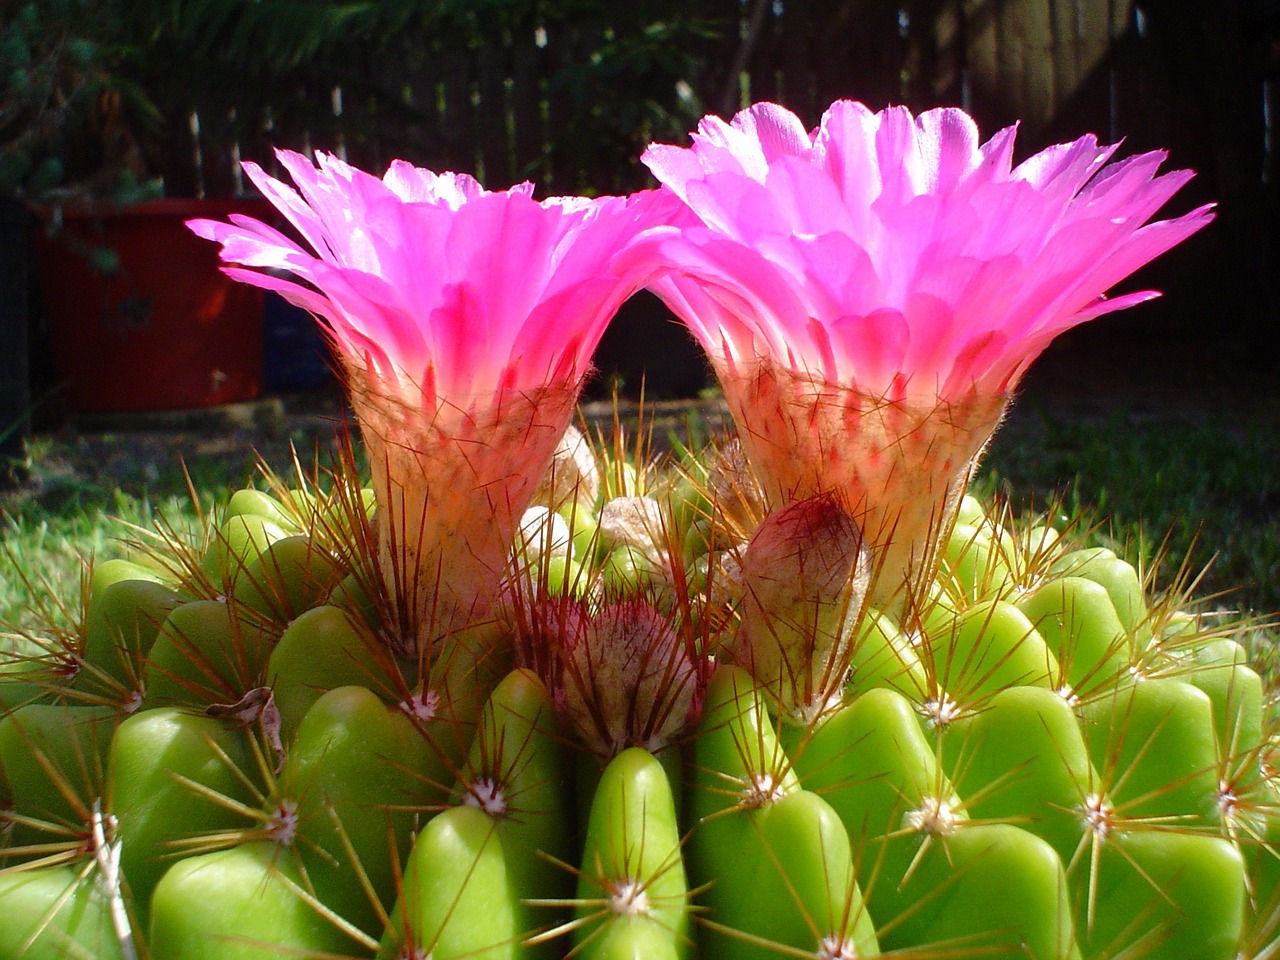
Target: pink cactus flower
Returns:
[[464, 321], [871, 292]]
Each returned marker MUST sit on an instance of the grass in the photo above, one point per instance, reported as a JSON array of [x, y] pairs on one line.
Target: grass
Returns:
[[1207, 490], [1211, 487], [44, 536], [69, 510]]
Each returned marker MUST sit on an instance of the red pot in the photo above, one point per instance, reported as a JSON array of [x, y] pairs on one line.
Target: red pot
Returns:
[[166, 330]]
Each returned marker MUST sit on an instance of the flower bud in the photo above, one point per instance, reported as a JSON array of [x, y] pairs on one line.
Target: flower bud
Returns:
[[805, 574], [628, 680]]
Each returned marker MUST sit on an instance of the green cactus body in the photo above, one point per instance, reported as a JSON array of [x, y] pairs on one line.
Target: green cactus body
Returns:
[[989, 885], [780, 875], [352, 595], [455, 897], [206, 652], [1077, 619], [52, 756], [873, 763], [125, 619], [1178, 896], [883, 657], [241, 538], [255, 503], [517, 774], [1236, 692], [288, 578], [168, 770], [737, 756], [632, 890], [1262, 872], [358, 769], [1154, 741], [987, 648], [1023, 759], [321, 650], [51, 913], [1036, 757], [774, 859], [449, 695], [243, 903], [1117, 577], [977, 562]]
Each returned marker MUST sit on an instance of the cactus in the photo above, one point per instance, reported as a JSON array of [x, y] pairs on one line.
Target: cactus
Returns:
[[1007, 770], [699, 704]]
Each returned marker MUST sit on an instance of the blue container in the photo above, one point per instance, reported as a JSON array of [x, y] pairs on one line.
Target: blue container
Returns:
[[295, 356]]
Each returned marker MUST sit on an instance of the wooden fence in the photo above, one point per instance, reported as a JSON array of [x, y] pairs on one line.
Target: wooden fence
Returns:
[[505, 108], [570, 105]]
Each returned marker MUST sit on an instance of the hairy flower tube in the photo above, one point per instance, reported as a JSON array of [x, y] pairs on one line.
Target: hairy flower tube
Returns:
[[871, 292], [464, 321]]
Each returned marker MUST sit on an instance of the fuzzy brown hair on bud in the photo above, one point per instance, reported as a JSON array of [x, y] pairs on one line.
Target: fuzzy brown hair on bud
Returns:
[[806, 573], [627, 679]]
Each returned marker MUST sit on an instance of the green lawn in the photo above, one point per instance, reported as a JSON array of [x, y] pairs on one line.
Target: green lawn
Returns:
[[1204, 489]]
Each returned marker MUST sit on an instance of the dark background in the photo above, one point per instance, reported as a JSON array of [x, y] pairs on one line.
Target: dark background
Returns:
[[568, 92]]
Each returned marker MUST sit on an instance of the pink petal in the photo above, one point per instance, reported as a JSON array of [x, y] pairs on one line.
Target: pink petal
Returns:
[[287, 201], [958, 257], [997, 155], [902, 170], [873, 348], [461, 290], [948, 145], [1063, 169], [845, 147], [778, 131], [972, 363], [674, 167], [806, 200]]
